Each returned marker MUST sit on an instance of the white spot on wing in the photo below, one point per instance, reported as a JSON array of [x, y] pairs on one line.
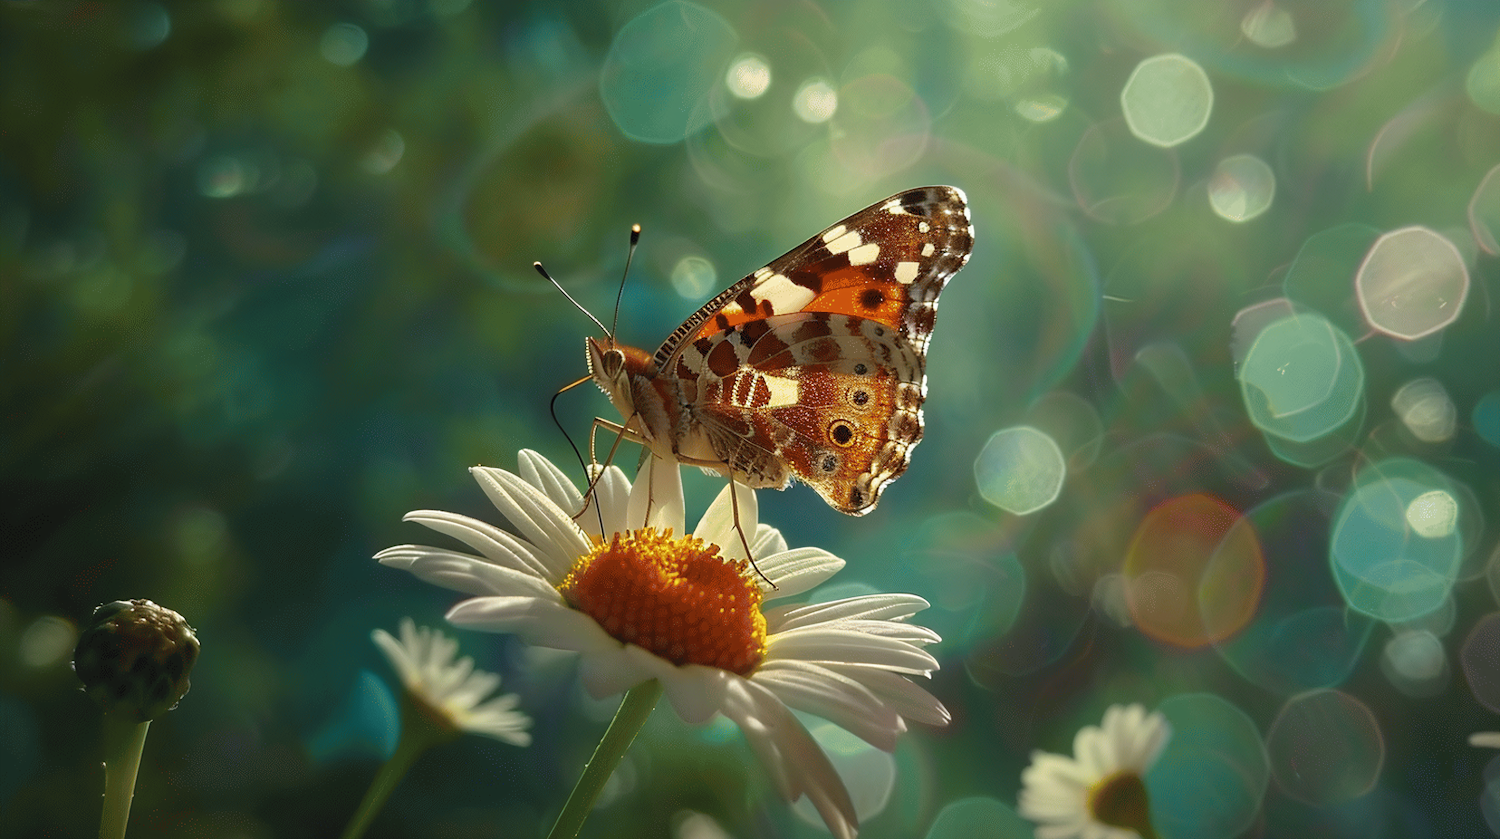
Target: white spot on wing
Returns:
[[783, 391], [906, 272], [894, 208], [864, 254], [928, 249], [843, 242], [785, 296], [923, 227], [833, 233]]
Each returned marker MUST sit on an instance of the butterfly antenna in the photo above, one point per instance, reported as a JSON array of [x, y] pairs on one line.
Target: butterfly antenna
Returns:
[[552, 407], [635, 240], [558, 285]]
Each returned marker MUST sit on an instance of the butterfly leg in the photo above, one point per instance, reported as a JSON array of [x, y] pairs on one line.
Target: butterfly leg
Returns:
[[734, 505]]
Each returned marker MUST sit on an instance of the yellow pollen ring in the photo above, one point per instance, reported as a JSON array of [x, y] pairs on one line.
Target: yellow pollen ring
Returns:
[[676, 598]]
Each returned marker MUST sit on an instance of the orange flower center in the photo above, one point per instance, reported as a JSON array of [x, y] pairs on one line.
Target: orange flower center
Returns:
[[676, 598], [1120, 800]]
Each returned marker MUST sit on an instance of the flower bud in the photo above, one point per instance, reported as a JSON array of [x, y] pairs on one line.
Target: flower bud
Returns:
[[134, 658]]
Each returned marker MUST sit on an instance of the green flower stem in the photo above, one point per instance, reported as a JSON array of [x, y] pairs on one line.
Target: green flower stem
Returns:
[[124, 739], [421, 729], [627, 723]]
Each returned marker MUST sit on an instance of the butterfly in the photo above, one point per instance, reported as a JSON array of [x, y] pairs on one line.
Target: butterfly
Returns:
[[813, 367]]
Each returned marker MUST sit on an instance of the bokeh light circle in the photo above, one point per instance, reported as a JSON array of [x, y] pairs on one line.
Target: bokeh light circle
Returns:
[[1385, 567], [1412, 283], [1484, 212], [749, 77], [1167, 100], [1020, 470], [1325, 748], [1424, 408], [1212, 775], [1480, 658], [1415, 663], [979, 818], [1268, 25], [1301, 379], [343, 44], [815, 101], [656, 80], [1117, 180], [881, 125], [1191, 576], [1241, 188]]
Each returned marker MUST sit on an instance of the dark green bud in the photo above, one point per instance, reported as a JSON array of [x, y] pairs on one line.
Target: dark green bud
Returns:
[[134, 658]]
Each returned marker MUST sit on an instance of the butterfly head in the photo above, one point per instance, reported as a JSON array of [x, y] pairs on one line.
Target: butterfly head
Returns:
[[613, 365]]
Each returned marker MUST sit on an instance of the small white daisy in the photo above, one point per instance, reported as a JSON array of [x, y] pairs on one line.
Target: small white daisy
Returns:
[[451, 692], [1100, 792], [638, 604]]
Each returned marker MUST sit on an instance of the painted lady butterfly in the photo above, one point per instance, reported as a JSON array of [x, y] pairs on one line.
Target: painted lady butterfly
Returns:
[[812, 367]]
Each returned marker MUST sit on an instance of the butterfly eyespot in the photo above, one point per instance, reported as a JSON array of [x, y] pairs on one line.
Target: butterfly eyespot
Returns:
[[861, 369], [871, 298], [840, 432], [830, 463], [860, 397], [856, 498]]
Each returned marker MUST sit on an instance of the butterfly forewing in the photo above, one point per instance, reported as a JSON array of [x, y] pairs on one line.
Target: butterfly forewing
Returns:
[[814, 366]]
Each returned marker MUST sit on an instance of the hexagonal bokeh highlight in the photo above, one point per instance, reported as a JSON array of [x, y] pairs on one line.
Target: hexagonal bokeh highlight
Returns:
[[1424, 407], [1301, 379], [1167, 100], [1484, 212], [1020, 470], [1412, 283], [1241, 188], [1396, 548]]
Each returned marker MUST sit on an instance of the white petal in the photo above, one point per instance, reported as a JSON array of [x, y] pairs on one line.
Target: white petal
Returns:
[[826, 643], [612, 491], [468, 574], [797, 571], [730, 520], [656, 497], [538, 622], [905, 697], [883, 607], [791, 755], [768, 541], [545, 476], [836, 698], [543, 523], [696, 692], [610, 670], [495, 544]]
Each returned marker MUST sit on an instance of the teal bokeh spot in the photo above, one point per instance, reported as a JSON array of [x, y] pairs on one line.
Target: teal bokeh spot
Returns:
[[1302, 378], [1385, 567], [1212, 775], [979, 818], [1303, 635], [656, 80], [368, 723], [1486, 418]]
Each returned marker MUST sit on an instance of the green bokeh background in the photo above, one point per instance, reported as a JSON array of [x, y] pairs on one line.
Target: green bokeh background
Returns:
[[257, 301]]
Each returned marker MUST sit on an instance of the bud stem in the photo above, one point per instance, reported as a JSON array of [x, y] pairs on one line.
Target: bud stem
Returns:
[[124, 739]]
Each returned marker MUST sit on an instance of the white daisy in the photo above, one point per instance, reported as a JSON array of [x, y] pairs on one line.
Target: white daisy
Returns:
[[640, 604], [1099, 793], [451, 692]]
